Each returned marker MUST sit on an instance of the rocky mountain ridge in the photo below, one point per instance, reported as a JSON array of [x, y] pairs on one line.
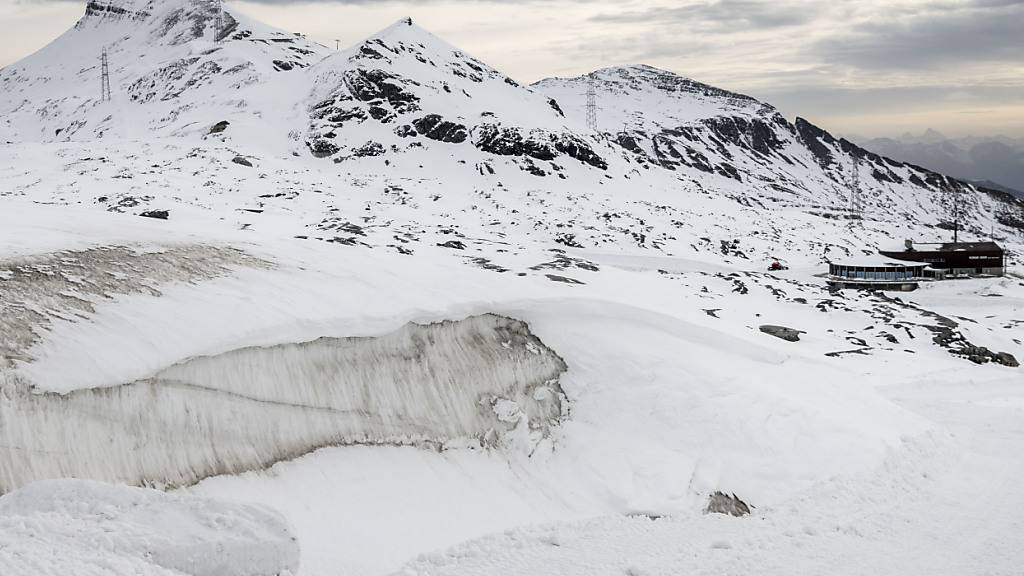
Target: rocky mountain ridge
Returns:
[[455, 152]]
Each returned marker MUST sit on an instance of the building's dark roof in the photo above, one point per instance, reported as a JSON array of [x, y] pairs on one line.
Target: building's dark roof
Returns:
[[949, 247], [969, 246]]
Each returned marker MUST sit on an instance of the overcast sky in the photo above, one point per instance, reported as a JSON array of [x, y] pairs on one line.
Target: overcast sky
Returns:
[[866, 67]]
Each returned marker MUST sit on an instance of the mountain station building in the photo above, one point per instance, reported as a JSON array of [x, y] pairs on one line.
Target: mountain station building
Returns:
[[905, 270], [879, 272], [956, 259]]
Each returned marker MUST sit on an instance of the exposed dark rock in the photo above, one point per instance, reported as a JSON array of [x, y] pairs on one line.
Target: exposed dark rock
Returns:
[[722, 503], [1011, 220], [629, 143], [369, 149], [861, 351], [454, 244], [405, 131], [564, 262], [340, 117], [156, 214], [241, 161], [100, 8], [366, 51], [437, 128], [370, 85], [510, 142], [563, 279], [532, 168], [1006, 359], [554, 106], [322, 148], [486, 264], [567, 240], [736, 130], [812, 137], [787, 334], [382, 115], [219, 127], [576, 148], [538, 144]]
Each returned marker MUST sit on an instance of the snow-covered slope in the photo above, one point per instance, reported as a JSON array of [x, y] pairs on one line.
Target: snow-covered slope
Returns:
[[671, 390], [81, 527], [406, 141], [403, 86], [172, 72], [419, 302]]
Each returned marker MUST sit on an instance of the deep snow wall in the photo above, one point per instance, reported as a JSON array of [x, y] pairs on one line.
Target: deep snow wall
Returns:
[[486, 379], [37, 290]]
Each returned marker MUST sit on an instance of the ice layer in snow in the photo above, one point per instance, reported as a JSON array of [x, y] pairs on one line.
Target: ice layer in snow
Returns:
[[478, 379]]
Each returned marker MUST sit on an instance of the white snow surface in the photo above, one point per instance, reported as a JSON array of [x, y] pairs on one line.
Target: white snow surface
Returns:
[[86, 528], [314, 199]]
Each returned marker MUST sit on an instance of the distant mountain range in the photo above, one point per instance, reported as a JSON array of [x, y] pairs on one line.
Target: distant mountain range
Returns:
[[994, 162]]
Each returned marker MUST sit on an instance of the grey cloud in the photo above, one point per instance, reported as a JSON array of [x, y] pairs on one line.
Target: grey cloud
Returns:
[[721, 15], [942, 36], [825, 100]]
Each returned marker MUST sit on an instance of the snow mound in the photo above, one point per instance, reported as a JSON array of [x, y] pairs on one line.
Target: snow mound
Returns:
[[485, 379], [96, 529]]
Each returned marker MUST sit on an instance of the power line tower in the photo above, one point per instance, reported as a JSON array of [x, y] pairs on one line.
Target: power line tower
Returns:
[[104, 76], [955, 199], [591, 103], [856, 202], [220, 20]]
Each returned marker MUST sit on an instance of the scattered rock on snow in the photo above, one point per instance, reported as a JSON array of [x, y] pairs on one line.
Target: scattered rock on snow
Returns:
[[157, 214], [435, 127], [787, 334], [371, 148], [219, 127], [452, 244], [1007, 359], [563, 279], [722, 503]]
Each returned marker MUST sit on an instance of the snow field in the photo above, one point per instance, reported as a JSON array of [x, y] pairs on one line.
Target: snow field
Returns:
[[86, 528]]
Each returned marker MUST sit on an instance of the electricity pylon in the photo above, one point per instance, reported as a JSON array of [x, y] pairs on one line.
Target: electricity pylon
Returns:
[[104, 76], [591, 103]]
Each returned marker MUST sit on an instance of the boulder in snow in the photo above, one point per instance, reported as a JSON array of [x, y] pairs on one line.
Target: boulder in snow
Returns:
[[787, 334], [722, 503]]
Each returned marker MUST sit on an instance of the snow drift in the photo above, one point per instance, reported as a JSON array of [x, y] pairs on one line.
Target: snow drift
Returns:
[[478, 379], [110, 530]]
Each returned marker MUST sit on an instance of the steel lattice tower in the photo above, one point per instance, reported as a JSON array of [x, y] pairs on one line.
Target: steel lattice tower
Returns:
[[104, 77], [591, 103], [220, 20], [856, 204]]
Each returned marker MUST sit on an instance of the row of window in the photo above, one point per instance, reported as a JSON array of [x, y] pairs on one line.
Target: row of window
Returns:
[[860, 274]]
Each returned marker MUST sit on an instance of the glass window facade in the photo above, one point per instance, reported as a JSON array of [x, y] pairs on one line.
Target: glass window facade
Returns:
[[892, 273]]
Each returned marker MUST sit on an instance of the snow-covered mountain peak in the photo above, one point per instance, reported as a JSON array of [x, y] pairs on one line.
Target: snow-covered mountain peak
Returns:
[[408, 112], [406, 30], [159, 22], [117, 10], [175, 67], [402, 87], [643, 77], [642, 97]]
